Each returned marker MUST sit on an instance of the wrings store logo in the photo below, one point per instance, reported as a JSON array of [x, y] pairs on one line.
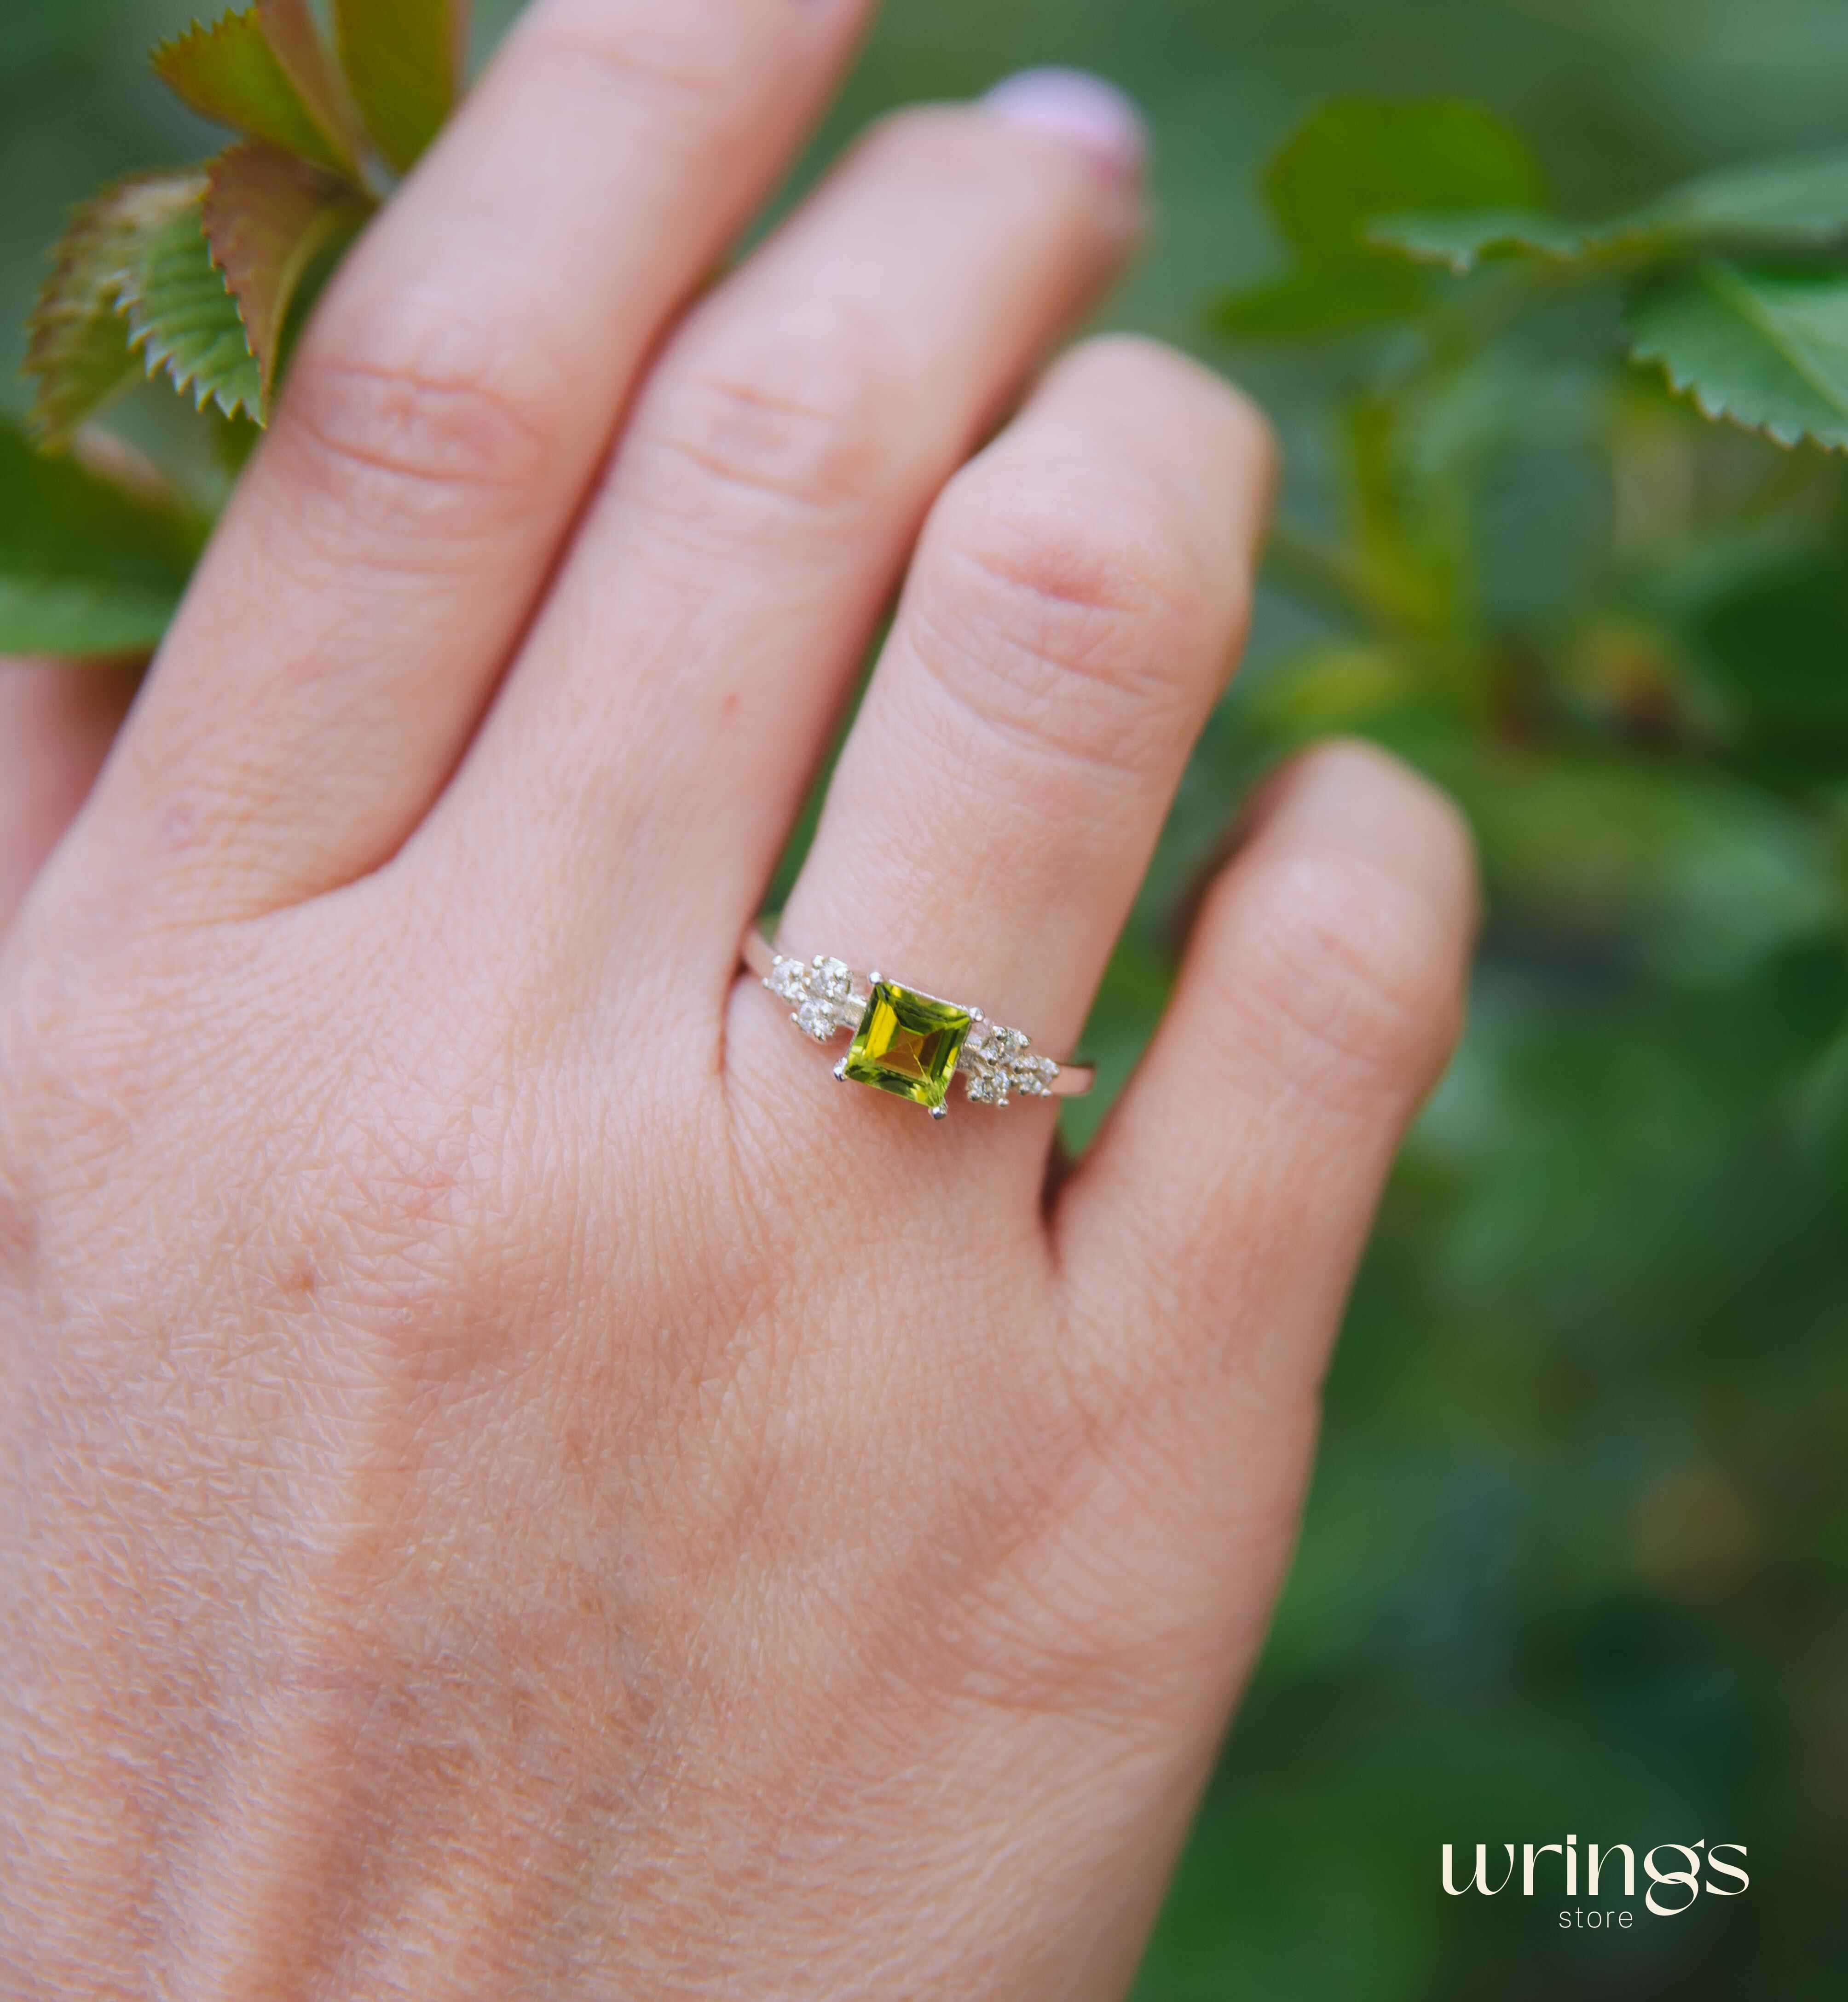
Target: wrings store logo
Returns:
[[1698, 1867]]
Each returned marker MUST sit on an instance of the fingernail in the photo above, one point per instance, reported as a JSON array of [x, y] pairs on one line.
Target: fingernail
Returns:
[[1098, 119]]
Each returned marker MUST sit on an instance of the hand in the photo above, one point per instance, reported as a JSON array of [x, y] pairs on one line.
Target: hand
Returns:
[[512, 1483]]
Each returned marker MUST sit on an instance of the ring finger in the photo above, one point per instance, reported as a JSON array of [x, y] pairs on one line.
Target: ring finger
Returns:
[[1077, 601]]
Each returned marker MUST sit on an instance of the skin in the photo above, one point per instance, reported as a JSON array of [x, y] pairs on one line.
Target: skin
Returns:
[[512, 1482]]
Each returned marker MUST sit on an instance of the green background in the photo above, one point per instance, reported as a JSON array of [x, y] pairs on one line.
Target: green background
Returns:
[[1576, 1553]]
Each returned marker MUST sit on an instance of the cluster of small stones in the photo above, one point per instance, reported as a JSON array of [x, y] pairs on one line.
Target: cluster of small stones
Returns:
[[998, 1062], [822, 993]]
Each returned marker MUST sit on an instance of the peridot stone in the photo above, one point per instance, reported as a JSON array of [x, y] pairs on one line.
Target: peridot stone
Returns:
[[908, 1045]]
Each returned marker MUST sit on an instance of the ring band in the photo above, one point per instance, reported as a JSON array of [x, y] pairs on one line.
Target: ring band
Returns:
[[907, 1043]]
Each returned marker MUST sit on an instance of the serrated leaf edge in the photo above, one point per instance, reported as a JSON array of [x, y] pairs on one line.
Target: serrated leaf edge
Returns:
[[1662, 226], [220, 211], [1719, 410], [159, 361], [334, 154], [1461, 262], [91, 221]]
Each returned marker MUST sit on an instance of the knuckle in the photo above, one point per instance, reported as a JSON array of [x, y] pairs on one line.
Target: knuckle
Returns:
[[796, 415], [1083, 535], [420, 436], [1353, 982], [1068, 616]]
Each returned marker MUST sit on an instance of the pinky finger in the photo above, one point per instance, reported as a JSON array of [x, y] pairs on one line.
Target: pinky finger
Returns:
[[1211, 1236]]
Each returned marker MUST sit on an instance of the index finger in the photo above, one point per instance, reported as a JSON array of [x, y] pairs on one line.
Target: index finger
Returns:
[[446, 414]]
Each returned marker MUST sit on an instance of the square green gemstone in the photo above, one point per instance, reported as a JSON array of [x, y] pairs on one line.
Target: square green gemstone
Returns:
[[908, 1043]]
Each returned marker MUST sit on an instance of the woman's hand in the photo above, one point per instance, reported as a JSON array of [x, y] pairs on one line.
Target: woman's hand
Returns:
[[512, 1483]]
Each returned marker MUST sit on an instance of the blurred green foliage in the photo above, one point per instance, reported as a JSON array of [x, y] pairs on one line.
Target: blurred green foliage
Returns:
[[1576, 1555]]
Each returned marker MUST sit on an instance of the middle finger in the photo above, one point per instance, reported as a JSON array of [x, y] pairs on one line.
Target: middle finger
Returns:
[[677, 691]]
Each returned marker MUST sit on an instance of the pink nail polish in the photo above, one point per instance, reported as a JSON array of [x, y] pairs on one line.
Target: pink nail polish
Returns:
[[1083, 110]]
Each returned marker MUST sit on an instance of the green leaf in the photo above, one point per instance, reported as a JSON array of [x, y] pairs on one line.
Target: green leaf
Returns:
[[78, 355], [229, 72], [182, 319], [1795, 204], [1803, 200], [1354, 159], [1324, 299], [134, 279], [403, 59], [1465, 240], [85, 568], [268, 216], [290, 29], [1766, 348]]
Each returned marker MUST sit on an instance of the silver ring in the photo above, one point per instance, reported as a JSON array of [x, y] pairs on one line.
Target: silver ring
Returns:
[[908, 1043]]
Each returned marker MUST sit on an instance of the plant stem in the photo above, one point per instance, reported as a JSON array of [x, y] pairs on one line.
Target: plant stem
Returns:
[[1329, 578]]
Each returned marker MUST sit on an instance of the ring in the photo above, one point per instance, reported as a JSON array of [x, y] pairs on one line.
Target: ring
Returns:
[[907, 1043]]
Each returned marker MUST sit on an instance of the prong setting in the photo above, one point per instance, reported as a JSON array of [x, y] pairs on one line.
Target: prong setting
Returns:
[[910, 1044]]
